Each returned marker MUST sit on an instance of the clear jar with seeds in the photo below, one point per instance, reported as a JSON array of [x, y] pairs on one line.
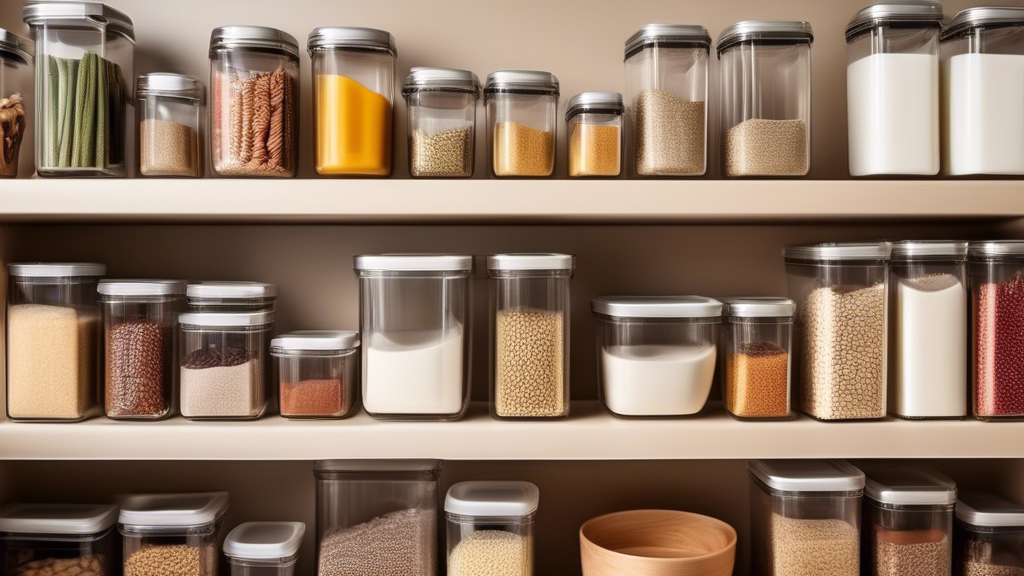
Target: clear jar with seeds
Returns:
[[758, 357], [172, 533], [595, 134], [988, 536], [491, 528], [169, 117], [16, 92], [316, 372], [59, 540], [522, 109], [441, 105], [264, 548]]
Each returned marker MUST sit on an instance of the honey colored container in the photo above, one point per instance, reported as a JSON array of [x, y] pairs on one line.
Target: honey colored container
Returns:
[[758, 357]]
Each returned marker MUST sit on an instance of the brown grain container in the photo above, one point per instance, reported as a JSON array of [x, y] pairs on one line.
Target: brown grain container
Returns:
[[316, 372], [758, 357]]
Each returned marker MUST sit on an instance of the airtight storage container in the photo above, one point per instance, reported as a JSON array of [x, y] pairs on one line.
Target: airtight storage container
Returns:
[[490, 527], [254, 68], [989, 536], [264, 548], [53, 335], [441, 110], [415, 331], [85, 52], [983, 92], [766, 98], [353, 96], [58, 539], [595, 134], [162, 531], [140, 347], [16, 93], [522, 106], [667, 92], [892, 89], [758, 357], [841, 291], [316, 372], [656, 354], [805, 517], [169, 125], [231, 296], [376, 517]]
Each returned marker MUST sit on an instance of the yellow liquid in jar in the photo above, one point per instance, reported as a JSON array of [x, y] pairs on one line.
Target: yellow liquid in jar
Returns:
[[353, 128]]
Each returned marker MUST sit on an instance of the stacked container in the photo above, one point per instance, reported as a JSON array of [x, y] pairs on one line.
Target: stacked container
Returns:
[[490, 528], [231, 296], [758, 357], [169, 125], [59, 539], [522, 106], [989, 536], [176, 532], [441, 106], [16, 93], [316, 372], [595, 134], [264, 548]]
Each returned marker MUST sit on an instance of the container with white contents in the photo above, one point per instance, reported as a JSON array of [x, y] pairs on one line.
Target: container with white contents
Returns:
[[983, 92], [172, 533], [264, 548], [16, 91], [316, 372], [522, 110], [490, 528], [59, 540], [988, 536], [892, 89], [656, 354], [231, 296], [415, 331], [758, 357]]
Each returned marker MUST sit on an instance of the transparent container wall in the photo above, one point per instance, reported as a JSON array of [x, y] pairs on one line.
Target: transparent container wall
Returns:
[[169, 136], [521, 133], [983, 88], [766, 109], [652, 367], [317, 384], [416, 338], [984, 551], [667, 93], [997, 347], [353, 96], [16, 117], [442, 133], [192, 552], [490, 545], [842, 320], [595, 145], [892, 99], [758, 361], [224, 372], [83, 92], [902, 540], [98, 554], [53, 336], [241, 80], [140, 356], [529, 344], [243, 567]]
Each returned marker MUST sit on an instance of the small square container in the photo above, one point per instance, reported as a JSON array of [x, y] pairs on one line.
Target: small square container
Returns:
[[656, 354], [490, 527], [165, 530], [169, 125], [988, 536], [595, 134], [59, 539], [441, 109], [231, 296], [16, 92], [316, 372], [522, 110], [264, 548], [758, 357], [805, 517]]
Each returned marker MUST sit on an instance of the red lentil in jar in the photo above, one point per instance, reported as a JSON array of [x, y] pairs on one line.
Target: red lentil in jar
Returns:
[[317, 372]]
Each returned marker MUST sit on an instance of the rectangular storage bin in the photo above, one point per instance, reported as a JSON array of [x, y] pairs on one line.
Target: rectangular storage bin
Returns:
[[170, 113], [172, 533], [59, 539], [231, 296], [316, 372], [490, 528], [758, 357], [441, 108], [595, 134], [264, 548], [16, 93], [522, 106], [988, 536]]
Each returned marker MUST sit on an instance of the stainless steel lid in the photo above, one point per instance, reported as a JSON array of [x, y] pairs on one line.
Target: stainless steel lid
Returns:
[[657, 306], [982, 509], [526, 261], [759, 307], [316, 341], [55, 269], [170, 85], [231, 290], [447, 79], [837, 251], [902, 485], [414, 262], [807, 475], [12, 44], [39, 12], [777, 30], [983, 17], [227, 319], [525, 80], [259, 37], [995, 249], [930, 249], [667, 34], [141, 287], [330, 37], [600, 102], [421, 465], [906, 12]]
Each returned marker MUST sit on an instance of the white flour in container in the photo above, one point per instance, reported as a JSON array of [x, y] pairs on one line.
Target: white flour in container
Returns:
[[984, 114], [414, 372], [657, 380]]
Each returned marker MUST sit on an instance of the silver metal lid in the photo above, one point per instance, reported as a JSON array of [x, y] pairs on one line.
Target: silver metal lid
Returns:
[[983, 17], [526, 261], [838, 251], [330, 37], [421, 465], [259, 37], [807, 475], [170, 85], [58, 519], [982, 509], [600, 102], [414, 262], [38, 12], [902, 485], [657, 306], [995, 249], [55, 269], [316, 340], [759, 307], [906, 12], [11, 43], [231, 290], [441, 79], [526, 80], [227, 319], [778, 30], [661, 34], [915, 249], [141, 287]]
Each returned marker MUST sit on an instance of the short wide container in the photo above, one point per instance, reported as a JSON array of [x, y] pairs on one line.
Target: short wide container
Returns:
[[758, 357], [165, 530], [522, 110], [988, 537], [264, 548], [170, 122], [59, 539], [490, 527], [317, 371], [16, 102], [441, 109]]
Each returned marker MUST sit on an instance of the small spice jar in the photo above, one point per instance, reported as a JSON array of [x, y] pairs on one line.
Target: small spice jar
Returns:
[[264, 548], [58, 539], [254, 102], [842, 296], [758, 357], [989, 536], [169, 119], [441, 106], [231, 296], [16, 92], [224, 364], [667, 87], [522, 106], [766, 98], [316, 372], [805, 517], [53, 334], [892, 89], [530, 335], [176, 532], [140, 345], [656, 354], [595, 134], [377, 516], [353, 99], [983, 101], [84, 57], [490, 527]]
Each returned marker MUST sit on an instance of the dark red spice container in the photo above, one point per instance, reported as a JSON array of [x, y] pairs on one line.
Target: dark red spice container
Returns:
[[316, 371]]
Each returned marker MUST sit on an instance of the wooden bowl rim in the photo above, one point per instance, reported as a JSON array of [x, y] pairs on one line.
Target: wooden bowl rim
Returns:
[[725, 550]]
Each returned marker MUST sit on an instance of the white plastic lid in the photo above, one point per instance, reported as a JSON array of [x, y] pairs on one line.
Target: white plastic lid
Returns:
[[231, 290], [227, 319], [414, 262], [316, 340], [759, 307], [55, 269], [264, 540], [524, 261], [173, 510], [657, 306], [141, 287], [982, 509], [906, 486], [71, 519], [492, 498], [807, 475]]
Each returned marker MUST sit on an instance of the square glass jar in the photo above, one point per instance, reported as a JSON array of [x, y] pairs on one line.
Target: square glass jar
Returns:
[[594, 120], [59, 539], [988, 536], [522, 110], [169, 125], [316, 372], [441, 109], [16, 103], [264, 548], [490, 527], [758, 357], [179, 530]]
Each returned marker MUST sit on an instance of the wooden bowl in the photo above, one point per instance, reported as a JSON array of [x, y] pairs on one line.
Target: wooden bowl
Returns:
[[657, 543]]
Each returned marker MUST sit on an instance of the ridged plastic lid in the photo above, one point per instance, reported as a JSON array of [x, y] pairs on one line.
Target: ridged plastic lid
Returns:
[[201, 291], [55, 269], [759, 307], [227, 319], [351, 37], [414, 262], [527, 80], [141, 287], [995, 248], [492, 498], [170, 85], [838, 251], [38, 12], [264, 540], [600, 102], [983, 17], [262, 37], [909, 11], [914, 249], [780, 30], [807, 475], [316, 341], [660, 34], [70, 519], [983, 509], [528, 261], [902, 485], [657, 306], [421, 465], [444, 79], [173, 510], [11, 43]]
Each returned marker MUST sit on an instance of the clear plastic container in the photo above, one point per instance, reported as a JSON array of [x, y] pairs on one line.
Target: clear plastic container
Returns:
[[85, 52], [254, 102], [224, 369], [176, 533], [376, 517], [522, 110], [441, 108], [59, 540], [264, 548], [353, 100], [53, 335], [317, 372], [231, 296], [929, 316], [766, 98], [805, 517], [656, 354], [490, 528], [667, 91], [529, 321], [169, 125], [140, 347], [892, 89], [989, 536], [16, 93], [595, 134], [983, 90], [758, 357], [416, 335], [841, 291]]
